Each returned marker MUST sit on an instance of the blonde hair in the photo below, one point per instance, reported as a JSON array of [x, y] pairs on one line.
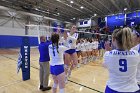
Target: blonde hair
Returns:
[[123, 37]]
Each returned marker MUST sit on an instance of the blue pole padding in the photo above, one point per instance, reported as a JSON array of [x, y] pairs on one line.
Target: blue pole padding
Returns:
[[25, 52]]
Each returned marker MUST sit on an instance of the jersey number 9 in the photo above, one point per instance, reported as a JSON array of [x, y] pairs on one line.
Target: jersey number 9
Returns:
[[123, 64]]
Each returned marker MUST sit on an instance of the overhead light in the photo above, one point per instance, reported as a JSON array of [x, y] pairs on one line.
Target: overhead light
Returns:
[[95, 14], [55, 14], [71, 2], [58, 13], [73, 18], [81, 7], [36, 8], [57, 0], [125, 9]]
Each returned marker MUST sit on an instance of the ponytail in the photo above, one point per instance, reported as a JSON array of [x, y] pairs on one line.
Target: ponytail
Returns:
[[123, 37], [55, 40]]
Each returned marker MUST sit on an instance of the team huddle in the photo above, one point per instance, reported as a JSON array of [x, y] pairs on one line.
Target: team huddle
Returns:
[[67, 52]]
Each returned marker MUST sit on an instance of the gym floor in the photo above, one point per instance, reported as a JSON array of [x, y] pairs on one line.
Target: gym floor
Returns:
[[89, 78]]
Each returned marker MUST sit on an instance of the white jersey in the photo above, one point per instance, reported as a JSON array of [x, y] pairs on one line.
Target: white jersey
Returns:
[[90, 45], [71, 40], [122, 67], [137, 48], [83, 47], [78, 47], [87, 46], [94, 45], [56, 59]]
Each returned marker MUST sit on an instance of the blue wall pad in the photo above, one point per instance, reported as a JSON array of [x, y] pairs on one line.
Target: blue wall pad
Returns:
[[7, 41]]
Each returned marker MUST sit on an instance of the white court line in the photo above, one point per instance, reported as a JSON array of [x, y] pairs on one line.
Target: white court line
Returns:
[[10, 84]]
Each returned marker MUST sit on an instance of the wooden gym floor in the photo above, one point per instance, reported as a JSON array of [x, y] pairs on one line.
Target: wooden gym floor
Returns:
[[89, 78]]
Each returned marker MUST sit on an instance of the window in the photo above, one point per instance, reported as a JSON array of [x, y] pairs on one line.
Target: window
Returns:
[[85, 22]]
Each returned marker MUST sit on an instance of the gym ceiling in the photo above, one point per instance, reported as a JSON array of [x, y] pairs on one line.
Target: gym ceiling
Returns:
[[71, 10]]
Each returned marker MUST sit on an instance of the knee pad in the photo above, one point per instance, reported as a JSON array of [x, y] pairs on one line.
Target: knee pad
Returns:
[[62, 90]]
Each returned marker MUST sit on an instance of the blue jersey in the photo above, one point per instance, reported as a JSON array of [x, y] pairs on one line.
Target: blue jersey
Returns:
[[102, 44], [44, 52]]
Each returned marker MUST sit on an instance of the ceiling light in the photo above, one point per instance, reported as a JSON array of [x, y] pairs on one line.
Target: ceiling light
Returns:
[[81, 7], [73, 18], [58, 13], [55, 14], [36, 8], [57, 0], [125, 9], [71, 2], [95, 14]]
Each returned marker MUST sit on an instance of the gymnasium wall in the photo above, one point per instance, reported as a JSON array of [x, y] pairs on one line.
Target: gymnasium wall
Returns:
[[11, 37]]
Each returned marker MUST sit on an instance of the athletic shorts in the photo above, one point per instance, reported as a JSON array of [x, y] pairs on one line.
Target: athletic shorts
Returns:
[[109, 90], [70, 51], [78, 51], [57, 69]]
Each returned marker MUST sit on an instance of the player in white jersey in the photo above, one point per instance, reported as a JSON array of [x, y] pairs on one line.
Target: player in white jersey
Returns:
[[90, 50], [78, 50], [83, 51], [87, 50], [56, 52], [93, 50], [122, 64], [136, 40], [70, 55], [96, 51]]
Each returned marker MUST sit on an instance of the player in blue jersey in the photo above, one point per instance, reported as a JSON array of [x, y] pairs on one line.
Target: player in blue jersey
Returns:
[[136, 34], [122, 63], [44, 59]]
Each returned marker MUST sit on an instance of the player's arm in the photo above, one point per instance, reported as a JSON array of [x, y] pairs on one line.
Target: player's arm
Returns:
[[105, 59], [65, 35]]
